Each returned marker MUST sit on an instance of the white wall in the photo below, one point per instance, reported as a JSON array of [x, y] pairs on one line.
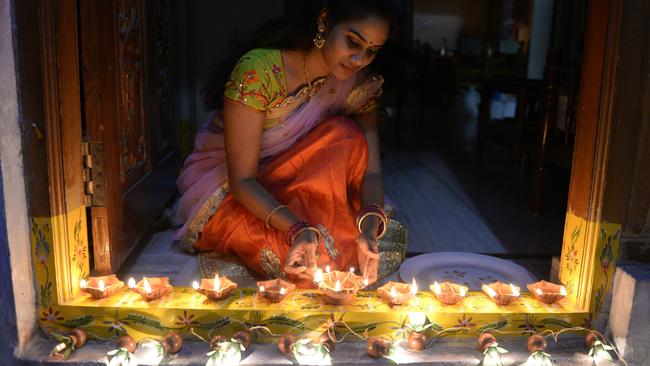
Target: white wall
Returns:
[[542, 22], [13, 184], [437, 19]]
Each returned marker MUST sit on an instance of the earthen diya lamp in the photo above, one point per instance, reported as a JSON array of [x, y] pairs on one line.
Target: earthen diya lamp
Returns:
[[397, 293], [448, 292], [153, 288], [217, 288], [501, 293], [547, 292], [339, 288], [101, 287], [275, 290]]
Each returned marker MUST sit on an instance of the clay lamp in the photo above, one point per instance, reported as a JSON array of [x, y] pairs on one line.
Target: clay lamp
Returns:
[[547, 292], [501, 293], [448, 292], [101, 287], [397, 293], [217, 288], [153, 288], [339, 288], [275, 290]]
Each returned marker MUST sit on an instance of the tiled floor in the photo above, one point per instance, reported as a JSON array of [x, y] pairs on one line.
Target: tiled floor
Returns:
[[447, 203]]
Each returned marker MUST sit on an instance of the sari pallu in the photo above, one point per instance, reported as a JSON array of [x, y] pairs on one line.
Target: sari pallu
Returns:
[[204, 184]]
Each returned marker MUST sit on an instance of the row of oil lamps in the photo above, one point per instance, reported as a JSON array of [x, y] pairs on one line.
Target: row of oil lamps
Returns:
[[338, 288]]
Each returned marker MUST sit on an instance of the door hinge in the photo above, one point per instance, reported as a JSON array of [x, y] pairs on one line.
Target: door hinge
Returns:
[[93, 172]]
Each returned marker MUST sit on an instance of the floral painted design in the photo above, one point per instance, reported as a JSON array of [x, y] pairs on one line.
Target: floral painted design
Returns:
[[186, 320], [42, 251], [276, 69], [530, 326], [465, 323], [571, 254], [116, 326], [51, 316], [607, 255]]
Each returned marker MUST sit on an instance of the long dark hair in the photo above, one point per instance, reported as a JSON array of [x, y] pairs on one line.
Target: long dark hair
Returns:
[[295, 31]]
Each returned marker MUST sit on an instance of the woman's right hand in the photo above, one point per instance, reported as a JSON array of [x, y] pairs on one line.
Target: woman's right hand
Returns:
[[301, 259]]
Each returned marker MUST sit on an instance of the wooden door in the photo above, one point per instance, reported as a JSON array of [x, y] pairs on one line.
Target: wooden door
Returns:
[[124, 58]]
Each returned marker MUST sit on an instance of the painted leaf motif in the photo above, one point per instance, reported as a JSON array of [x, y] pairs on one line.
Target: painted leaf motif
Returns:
[[496, 325], [284, 321], [78, 321], [556, 322], [145, 321], [215, 324]]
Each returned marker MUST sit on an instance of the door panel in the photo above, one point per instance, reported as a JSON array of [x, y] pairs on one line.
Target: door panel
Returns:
[[125, 63]]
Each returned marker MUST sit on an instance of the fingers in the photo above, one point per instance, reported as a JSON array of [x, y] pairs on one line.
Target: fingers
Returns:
[[311, 255], [369, 253], [294, 270]]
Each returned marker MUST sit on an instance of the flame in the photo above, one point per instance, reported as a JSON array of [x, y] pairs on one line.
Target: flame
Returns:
[[318, 276], [195, 285], [262, 289], [327, 268], [337, 286], [393, 292], [102, 287], [147, 286], [217, 282], [514, 290], [414, 287], [131, 282], [351, 269], [436, 288], [83, 283], [283, 290], [539, 292], [463, 290], [489, 291], [563, 291], [365, 282]]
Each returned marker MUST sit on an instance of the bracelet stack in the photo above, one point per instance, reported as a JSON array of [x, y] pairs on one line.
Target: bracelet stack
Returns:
[[297, 229], [373, 210]]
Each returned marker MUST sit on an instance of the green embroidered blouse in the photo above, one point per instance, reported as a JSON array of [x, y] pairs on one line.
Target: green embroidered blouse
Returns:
[[258, 81]]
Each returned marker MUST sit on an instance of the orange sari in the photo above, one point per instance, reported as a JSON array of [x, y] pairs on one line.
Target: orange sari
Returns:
[[319, 178]]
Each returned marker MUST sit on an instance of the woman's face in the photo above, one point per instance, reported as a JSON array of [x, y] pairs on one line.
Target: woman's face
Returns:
[[352, 45]]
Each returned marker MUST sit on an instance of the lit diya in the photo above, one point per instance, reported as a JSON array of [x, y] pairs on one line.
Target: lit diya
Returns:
[[501, 293], [153, 288], [102, 286], [397, 293], [547, 292], [216, 288], [275, 290], [339, 288], [448, 292]]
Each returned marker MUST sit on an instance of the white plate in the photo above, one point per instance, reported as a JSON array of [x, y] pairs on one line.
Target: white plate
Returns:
[[469, 269]]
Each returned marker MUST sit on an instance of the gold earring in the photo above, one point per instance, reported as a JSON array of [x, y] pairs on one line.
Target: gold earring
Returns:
[[319, 40]]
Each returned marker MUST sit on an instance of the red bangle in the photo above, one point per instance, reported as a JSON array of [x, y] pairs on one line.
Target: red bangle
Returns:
[[293, 230]]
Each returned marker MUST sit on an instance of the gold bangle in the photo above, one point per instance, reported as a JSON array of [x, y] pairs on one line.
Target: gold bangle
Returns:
[[384, 226], [267, 221], [309, 228]]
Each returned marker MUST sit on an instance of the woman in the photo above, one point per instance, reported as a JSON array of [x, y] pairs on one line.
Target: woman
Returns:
[[287, 175]]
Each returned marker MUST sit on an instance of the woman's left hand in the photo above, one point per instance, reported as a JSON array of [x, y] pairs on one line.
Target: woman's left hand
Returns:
[[368, 255]]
